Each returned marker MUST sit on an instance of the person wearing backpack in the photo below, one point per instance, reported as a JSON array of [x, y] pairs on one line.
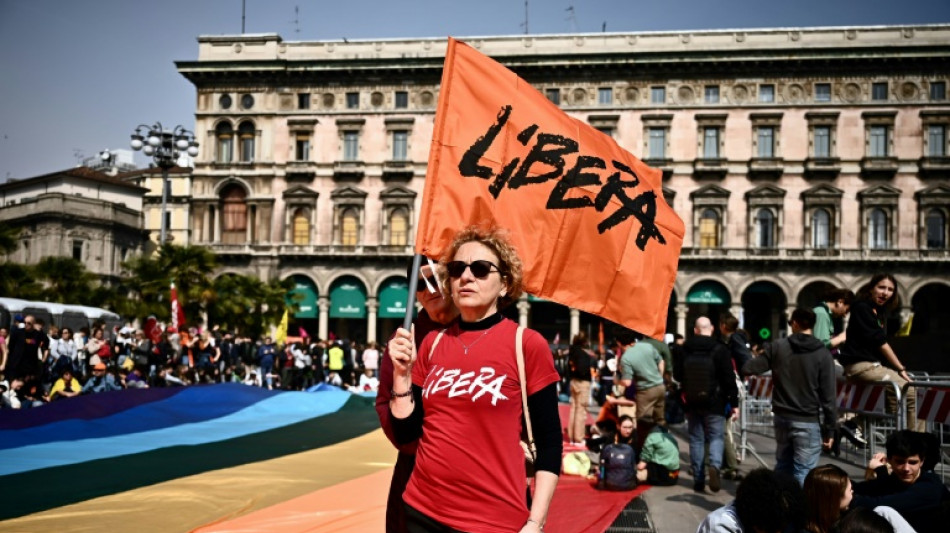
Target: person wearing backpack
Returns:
[[710, 395], [618, 460]]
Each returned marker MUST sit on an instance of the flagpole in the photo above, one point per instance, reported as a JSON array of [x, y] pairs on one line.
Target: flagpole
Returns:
[[413, 284]]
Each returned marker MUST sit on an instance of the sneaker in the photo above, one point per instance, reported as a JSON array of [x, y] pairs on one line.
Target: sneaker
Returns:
[[714, 482], [854, 434]]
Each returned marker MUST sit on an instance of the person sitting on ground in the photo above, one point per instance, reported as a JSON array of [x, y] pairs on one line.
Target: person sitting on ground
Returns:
[[863, 520], [66, 386], [100, 381], [900, 480], [626, 431], [766, 501], [659, 459]]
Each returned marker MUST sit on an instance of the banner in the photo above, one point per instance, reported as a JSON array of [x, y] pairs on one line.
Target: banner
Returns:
[[587, 217], [178, 314]]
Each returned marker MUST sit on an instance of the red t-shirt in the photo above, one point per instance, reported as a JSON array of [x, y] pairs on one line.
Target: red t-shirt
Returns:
[[469, 472]]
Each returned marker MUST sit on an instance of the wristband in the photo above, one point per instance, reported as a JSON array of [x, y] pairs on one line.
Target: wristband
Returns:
[[535, 522], [395, 394]]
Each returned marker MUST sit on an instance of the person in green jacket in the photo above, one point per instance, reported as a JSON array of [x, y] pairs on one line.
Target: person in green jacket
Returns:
[[659, 459], [837, 303]]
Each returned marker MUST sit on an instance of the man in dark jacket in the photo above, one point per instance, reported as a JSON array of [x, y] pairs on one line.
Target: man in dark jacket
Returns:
[[710, 393], [910, 487], [803, 381]]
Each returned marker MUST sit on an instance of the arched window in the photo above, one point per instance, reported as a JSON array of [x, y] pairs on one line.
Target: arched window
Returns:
[[936, 224], [233, 215], [246, 137], [877, 229], [709, 229], [225, 139], [349, 227], [765, 229], [301, 227], [398, 227], [821, 229]]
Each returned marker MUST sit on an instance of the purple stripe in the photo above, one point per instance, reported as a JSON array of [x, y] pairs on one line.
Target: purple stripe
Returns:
[[93, 406]]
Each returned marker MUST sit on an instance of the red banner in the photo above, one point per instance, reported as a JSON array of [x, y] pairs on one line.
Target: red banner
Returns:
[[587, 217], [178, 314]]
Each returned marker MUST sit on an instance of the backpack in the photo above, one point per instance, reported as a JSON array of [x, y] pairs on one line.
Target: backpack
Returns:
[[700, 384], [618, 467]]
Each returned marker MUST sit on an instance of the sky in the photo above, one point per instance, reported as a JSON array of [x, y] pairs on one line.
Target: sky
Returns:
[[77, 76]]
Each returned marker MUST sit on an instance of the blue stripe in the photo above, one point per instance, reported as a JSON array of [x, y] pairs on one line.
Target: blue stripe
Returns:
[[279, 410], [192, 404]]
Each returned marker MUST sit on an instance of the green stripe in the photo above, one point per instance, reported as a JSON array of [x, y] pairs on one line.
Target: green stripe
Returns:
[[39, 490]]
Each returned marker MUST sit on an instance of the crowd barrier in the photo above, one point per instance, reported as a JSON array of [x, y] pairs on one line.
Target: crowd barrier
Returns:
[[867, 399], [933, 409]]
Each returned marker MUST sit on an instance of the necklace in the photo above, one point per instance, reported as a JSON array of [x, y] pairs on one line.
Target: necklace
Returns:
[[465, 347]]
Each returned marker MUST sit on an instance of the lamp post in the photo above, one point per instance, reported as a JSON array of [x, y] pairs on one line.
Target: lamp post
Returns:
[[164, 146]]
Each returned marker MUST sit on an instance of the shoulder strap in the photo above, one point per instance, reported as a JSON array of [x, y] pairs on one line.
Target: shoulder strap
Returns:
[[519, 350], [435, 343]]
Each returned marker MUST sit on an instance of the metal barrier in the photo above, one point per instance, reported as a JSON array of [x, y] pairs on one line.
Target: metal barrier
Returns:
[[933, 408], [867, 399], [755, 411]]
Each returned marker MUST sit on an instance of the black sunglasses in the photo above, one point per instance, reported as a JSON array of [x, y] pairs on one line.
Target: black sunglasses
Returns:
[[480, 269]]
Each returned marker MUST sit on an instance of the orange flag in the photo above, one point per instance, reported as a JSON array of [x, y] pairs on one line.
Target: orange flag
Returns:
[[587, 217]]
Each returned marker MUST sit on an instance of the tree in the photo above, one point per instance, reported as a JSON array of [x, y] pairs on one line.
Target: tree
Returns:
[[16, 281], [65, 280], [150, 279], [247, 304], [8, 238]]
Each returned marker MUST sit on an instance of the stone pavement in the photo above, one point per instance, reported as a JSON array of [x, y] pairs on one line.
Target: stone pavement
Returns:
[[678, 509]]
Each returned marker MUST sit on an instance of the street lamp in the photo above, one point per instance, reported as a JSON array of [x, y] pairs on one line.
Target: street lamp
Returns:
[[164, 147]]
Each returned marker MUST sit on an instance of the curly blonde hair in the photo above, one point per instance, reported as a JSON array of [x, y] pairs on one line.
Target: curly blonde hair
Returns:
[[496, 240]]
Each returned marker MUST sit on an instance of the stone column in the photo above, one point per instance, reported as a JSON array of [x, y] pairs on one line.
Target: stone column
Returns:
[[323, 303], [736, 310], [372, 305], [788, 318], [575, 325], [681, 310], [523, 308], [905, 314]]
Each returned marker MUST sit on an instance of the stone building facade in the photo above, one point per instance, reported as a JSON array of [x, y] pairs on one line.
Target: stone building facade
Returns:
[[798, 159], [80, 213]]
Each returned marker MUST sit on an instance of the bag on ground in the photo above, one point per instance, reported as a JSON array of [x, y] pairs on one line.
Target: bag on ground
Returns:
[[618, 467]]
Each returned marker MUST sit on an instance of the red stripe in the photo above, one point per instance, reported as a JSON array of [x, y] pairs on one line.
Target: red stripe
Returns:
[[873, 397], [924, 407], [943, 412]]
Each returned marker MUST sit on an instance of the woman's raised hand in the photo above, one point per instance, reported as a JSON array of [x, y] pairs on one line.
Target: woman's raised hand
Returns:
[[402, 351]]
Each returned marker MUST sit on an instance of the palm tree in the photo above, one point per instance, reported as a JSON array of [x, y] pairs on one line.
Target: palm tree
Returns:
[[8, 238], [65, 280], [16, 281], [247, 304], [150, 279]]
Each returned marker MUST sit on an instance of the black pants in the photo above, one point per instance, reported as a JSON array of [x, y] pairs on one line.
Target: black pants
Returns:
[[417, 522]]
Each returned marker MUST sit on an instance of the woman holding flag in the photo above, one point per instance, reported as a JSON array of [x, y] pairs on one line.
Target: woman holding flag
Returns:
[[460, 398]]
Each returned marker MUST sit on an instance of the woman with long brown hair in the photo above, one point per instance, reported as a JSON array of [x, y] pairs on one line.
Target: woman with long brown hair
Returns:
[[827, 493]]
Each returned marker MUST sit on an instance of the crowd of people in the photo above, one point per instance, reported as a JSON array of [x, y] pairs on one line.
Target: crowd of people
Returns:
[[40, 365]]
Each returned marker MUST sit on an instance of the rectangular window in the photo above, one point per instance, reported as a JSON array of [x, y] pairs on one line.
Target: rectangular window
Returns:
[[657, 143], [605, 96], [351, 146], [937, 140], [608, 131], [352, 100], [168, 220], [302, 151], [767, 93], [77, 250], [877, 145], [822, 92], [822, 141], [400, 145], [879, 91], [711, 143], [554, 95], [303, 101], [402, 100], [938, 90], [657, 95], [766, 142], [712, 94]]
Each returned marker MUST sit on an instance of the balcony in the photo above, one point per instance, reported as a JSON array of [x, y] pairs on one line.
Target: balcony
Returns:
[[398, 171], [811, 254], [350, 171], [665, 165], [709, 169], [300, 171], [766, 168], [935, 167], [880, 168], [824, 168]]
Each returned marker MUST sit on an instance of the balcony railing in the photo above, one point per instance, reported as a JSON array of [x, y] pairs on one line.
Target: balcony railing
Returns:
[[797, 254], [935, 167], [878, 167]]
